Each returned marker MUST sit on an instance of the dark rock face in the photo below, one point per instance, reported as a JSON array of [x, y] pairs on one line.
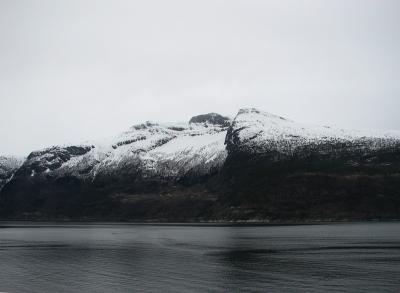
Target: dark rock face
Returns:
[[35, 185], [51, 158], [212, 118], [279, 176], [119, 195], [8, 166], [319, 187]]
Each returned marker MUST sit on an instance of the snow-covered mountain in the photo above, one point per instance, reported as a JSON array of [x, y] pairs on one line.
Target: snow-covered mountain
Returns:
[[210, 160], [256, 131], [172, 150], [168, 150]]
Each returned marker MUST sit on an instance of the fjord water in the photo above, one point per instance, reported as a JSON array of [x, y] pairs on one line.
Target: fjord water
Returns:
[[351, 257]]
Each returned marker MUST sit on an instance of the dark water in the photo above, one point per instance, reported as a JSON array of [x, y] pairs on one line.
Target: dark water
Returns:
[[144, 258]]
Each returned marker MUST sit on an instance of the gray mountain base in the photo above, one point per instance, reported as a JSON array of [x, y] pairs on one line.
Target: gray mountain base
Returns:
[[258, 167]]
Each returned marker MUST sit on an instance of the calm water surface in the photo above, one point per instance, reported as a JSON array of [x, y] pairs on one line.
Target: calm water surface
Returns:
[[144, 258]]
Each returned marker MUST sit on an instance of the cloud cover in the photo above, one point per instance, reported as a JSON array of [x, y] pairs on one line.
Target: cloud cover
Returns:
[[72, 70]]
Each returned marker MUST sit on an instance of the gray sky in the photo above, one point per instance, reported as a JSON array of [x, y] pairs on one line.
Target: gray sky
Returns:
[[72, 70]]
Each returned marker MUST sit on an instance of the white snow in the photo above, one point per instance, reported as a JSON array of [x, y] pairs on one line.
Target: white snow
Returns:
[[173, 149], [168, 149], [257, 128]]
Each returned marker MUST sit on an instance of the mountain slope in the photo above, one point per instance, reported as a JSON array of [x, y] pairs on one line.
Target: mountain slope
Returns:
[[8, 166], [256, 131], [166, 150], [279, 169], [148, 158], [258, 166]]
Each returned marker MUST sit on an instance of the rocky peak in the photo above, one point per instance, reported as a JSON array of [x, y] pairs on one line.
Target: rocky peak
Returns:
[[146, 125], [246, 113], [211, 118]]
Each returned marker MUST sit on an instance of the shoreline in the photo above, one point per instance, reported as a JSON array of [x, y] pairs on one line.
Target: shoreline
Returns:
[[50, 223]]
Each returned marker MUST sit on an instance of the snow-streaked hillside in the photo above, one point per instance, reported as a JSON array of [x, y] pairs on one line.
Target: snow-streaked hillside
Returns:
[[257, 166], [197, 147], [257, 131], [156, 150], [167, 150]]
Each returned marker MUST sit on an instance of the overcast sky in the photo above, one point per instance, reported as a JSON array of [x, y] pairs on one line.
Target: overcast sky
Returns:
[[77, 70]]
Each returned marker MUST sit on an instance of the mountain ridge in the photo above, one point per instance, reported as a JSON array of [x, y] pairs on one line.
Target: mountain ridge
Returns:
[[210, 168]]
